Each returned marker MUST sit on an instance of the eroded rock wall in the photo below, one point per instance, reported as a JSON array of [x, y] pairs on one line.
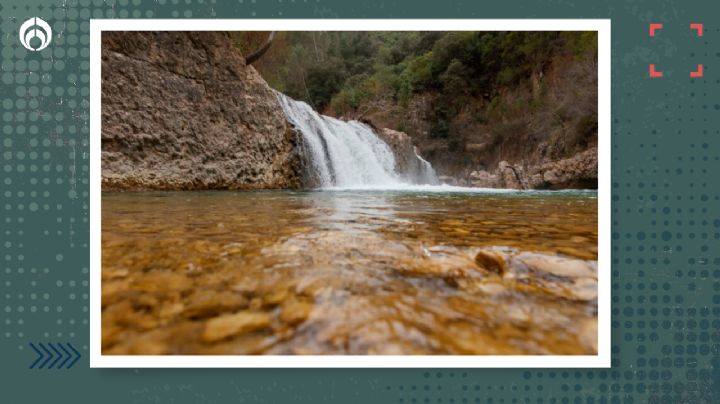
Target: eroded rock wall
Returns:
[[182, 111]]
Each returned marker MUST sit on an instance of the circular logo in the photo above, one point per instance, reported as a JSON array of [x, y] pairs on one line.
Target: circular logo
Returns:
[[35, 28]]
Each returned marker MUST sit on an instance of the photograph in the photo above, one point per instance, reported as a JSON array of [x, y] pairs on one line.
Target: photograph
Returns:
[[350, 192]]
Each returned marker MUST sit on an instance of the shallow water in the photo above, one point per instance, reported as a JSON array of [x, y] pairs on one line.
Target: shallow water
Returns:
[[344, 272]]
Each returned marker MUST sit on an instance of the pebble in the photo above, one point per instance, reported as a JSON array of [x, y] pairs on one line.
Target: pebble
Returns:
[[233, 324], [209, 303], [491, 261], [295, 311]]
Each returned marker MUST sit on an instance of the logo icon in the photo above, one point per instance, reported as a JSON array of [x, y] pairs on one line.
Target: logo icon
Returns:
[[35, 28]]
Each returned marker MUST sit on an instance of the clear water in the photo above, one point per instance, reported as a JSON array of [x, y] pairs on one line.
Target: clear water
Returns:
[[341, 272]]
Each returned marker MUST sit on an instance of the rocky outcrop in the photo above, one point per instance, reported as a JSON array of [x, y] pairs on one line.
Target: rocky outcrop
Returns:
[[579, 171], [182, 111], [408, 163]]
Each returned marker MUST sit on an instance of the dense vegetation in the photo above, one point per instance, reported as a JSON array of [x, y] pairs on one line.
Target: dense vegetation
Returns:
[[481, 96]]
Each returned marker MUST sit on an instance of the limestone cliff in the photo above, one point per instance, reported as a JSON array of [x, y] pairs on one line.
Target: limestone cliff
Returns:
[[182, 111]]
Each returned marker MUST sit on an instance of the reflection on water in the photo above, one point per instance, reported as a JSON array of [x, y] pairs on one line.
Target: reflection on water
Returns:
[[348, 272]]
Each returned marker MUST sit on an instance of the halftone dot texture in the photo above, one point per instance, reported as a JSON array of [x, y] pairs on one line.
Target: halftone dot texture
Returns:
[[665, 216]]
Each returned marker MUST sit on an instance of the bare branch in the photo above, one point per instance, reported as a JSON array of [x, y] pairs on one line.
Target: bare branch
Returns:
[[253, 57]]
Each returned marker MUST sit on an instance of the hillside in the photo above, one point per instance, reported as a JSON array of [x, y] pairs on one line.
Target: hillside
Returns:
[[469, 100]]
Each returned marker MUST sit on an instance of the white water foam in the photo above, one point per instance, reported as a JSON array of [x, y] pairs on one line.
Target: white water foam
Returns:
[[347, 155]]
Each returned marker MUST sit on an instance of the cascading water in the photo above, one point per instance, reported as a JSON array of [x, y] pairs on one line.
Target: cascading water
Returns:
[[346, 154], [426, 173]]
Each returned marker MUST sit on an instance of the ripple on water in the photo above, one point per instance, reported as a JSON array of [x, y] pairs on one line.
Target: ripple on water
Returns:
[[350, 272]]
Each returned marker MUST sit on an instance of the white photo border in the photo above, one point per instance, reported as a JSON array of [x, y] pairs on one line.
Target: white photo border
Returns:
[[602, 360]]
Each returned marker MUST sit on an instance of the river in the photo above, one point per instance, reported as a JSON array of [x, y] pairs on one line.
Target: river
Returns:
[[347, 271]]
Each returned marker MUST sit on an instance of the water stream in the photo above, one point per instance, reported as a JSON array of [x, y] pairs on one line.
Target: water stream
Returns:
[[347, 154], [344, 272]]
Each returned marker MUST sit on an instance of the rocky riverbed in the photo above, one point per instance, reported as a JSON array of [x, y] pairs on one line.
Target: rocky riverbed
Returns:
[[349, 273]]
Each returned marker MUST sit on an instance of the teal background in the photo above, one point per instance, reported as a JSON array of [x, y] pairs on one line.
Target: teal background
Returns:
[[665, 216]]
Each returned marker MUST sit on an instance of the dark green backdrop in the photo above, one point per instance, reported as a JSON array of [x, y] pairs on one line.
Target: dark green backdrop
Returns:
[[665, 217]]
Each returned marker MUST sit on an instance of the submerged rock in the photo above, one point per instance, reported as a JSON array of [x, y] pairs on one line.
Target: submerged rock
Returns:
[[295, 311], [354, 275], [232, 324], [491, 261], [557, 265], [568, 277], [207, 303]]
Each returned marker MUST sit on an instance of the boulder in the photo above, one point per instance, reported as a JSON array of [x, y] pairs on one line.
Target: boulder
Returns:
[[484, 179], [182, 111], [511, 175], [579, 171]]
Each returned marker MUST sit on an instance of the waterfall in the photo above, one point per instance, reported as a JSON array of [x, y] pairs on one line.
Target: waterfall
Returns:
[[345, 154], [426, 173]]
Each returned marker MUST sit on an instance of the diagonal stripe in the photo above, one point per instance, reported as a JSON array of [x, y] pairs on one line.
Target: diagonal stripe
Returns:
[[42, 365], [59, 356], [76, 358], [40, 355], [67, 356]]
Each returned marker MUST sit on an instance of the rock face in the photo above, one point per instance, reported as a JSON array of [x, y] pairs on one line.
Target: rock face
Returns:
[[407, 160], [182, 111], [579, 171]]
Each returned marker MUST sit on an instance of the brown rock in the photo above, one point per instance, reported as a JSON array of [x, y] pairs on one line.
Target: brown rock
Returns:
[[209, 303], [407, 161], [113, 291], [233, 324], [491, 261], [577, 172], [295, 311], [275, 297], [567, 277], [511, 175], [164, 281], [589, 334], [484, 179], [181, 110]]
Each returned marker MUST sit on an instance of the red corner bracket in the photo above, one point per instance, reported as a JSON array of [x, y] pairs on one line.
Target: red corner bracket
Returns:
[[698, 28], [654, 27]]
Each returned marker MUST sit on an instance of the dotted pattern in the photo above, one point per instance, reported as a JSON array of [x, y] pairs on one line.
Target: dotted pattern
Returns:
[[665, 217]]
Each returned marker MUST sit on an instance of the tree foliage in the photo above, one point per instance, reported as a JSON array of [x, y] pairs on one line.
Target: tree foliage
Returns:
[[340, 72]]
